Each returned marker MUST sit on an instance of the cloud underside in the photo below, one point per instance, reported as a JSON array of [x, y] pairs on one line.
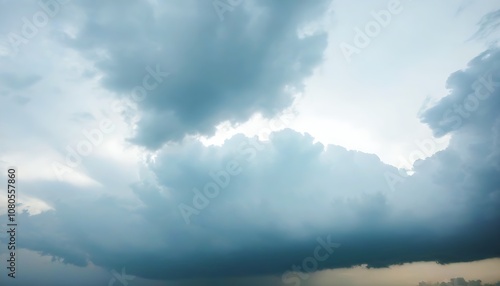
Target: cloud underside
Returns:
[[287, 193], [276, 198], [219, 71]]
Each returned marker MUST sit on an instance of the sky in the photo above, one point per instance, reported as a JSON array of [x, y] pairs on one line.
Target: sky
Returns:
[[250, 142]]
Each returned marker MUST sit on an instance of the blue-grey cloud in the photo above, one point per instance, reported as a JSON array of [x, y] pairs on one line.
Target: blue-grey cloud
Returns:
[[472, 102], [275, 199], [222, 71], [286, 193], [488, 24], [266, 219]]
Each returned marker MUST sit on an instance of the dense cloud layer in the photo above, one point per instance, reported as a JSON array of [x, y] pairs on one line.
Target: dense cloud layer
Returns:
[[250, 207], [277, 199], [219, 70]]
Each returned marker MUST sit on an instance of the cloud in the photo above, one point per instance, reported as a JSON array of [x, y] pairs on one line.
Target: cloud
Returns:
[[288, 192], [252, 207], [472, 100], [222, 71], [488, 24]]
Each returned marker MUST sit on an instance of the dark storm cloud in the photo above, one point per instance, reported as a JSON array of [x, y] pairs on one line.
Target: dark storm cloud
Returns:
[[223, 70], [288, 193], [283, 195], [267, 219]]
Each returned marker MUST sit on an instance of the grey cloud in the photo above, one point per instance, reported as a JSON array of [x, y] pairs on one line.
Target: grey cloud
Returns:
[[270, 216], [472, 102], [488, 24], [224, 71], [290, 191]]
